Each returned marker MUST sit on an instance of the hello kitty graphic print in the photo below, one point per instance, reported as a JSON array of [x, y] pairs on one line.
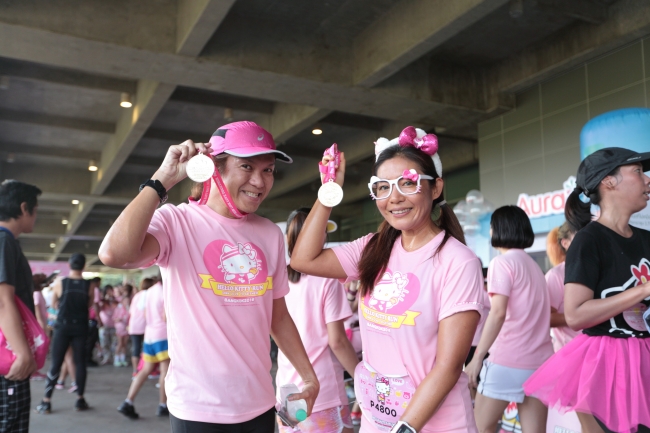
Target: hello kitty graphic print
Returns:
[[237, 271], [389, 303]]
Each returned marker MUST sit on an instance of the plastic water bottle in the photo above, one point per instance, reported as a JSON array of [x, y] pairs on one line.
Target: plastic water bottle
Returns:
[[296, 410]]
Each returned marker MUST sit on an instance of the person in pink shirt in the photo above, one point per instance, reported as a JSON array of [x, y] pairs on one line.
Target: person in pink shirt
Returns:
[[107, 331], [560, 331], [225, 280], [137, 322], [155, 351], [121, 319], [319, 306], [517, 330], [420, 289]]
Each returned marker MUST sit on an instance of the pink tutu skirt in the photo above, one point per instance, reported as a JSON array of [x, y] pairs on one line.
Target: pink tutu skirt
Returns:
[[603, 376]]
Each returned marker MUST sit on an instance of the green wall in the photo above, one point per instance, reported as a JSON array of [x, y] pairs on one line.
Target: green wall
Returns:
[[535, 147]]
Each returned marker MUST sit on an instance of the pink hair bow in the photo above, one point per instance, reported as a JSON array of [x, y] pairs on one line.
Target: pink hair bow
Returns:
[[409, 137], [411, 175]]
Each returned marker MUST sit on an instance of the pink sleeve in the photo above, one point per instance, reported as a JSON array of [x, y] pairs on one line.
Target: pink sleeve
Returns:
[[160, 227], [462, 287], [37, 298], [98, 296], [350, 254], [280, 278], [335, 303], [555, 288], [499, 277]]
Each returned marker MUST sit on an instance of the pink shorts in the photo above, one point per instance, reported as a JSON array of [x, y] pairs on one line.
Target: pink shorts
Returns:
[[332, 420]]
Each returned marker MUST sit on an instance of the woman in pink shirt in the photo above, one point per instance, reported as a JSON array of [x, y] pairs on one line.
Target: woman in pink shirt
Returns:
[[225, 276], [516, 332], [420, 292], [121, 319], [137, 322], [319, 307], [560, 331]]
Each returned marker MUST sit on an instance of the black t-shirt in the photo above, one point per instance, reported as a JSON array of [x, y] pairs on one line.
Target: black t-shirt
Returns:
[[14, 268], [608, 264]]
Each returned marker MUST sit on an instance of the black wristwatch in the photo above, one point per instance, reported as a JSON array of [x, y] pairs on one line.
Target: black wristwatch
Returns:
[[160, 189]]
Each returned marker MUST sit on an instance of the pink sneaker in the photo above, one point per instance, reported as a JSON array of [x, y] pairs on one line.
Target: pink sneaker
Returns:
[[60, 385], [73, 387]]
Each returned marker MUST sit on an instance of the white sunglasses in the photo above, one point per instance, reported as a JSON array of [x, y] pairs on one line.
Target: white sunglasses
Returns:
[[381, 189]]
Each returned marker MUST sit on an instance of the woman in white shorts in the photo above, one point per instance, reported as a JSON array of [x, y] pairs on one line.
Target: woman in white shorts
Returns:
[[517, 330]]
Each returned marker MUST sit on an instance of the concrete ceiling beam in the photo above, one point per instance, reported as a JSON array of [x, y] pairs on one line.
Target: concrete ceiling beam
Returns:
[[39, 72], [197, 20], [53, 236], [584, 10], [356, 149], [94, 199], [48, 150], [217, 99], [408, 31], [288, 120], [57, 121], [31, 44], [627, 21]]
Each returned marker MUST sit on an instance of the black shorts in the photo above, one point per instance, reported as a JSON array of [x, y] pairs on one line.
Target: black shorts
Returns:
[[136, 344], [264, 423]]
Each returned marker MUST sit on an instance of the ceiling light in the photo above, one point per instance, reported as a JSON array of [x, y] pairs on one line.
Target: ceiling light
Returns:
[[125, 100], [4, 82], [52, 245], [92, 165], [316, 131], [75, 201], [64, 222]]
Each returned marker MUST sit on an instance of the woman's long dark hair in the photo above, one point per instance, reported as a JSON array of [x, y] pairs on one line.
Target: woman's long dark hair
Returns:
[[294, 225], [376, 254], [578, 213]]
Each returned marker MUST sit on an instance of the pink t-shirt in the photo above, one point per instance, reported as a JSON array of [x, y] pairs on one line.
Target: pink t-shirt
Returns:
[[524, 341], [121, 319], [39, 302], [154, 312], [137, 321], [399, 322], [555, 284], [314, 302], [97, 299], [481, 323], [221, 277], [106, 314]]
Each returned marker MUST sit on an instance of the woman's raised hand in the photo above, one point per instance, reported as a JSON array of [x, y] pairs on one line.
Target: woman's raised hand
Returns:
[[172, 169], [340, 170]]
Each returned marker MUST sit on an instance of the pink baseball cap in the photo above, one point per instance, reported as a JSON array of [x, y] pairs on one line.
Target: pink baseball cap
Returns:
[[245, 139]]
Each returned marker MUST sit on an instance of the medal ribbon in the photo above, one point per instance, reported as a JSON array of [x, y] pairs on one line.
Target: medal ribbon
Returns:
[[329, 170], [225, 195]]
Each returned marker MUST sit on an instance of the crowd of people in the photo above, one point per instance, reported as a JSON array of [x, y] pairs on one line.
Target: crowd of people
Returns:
[[432, 341]]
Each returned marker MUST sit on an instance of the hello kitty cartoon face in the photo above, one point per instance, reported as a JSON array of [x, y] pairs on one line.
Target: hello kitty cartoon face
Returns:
[[389, 291], [239, 262], [383, 388]]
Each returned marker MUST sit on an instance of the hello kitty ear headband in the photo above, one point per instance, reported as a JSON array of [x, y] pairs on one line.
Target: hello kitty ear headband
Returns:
[[413, 137]]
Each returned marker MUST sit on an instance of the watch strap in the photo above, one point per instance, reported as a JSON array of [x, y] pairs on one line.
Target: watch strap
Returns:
[[402, 427], [158, 187]]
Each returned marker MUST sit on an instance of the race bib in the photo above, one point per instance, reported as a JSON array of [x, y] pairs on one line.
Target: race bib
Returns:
[[383, 399]]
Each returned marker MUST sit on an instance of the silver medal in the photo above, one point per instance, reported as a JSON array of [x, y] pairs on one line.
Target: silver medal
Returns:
[[200, 168], [330, 194]]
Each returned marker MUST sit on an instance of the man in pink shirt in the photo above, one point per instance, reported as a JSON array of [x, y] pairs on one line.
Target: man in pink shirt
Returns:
[[225, 280]]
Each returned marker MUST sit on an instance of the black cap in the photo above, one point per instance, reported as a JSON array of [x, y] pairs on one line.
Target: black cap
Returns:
[[599, 164], [77, 262]]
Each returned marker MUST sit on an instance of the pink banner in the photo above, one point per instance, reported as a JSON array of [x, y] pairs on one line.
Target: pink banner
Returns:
[[41, 267]]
